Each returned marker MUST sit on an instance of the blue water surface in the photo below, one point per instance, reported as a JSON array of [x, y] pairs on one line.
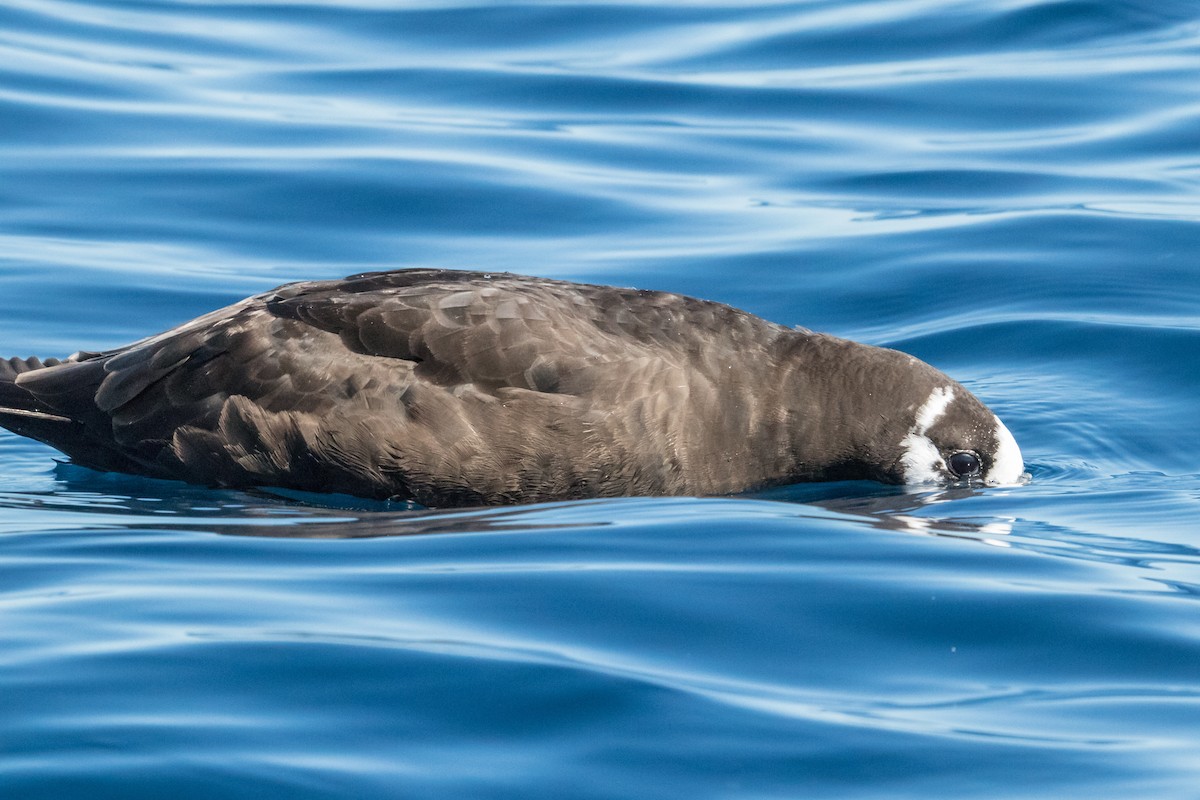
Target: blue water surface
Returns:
[[1007, 189]]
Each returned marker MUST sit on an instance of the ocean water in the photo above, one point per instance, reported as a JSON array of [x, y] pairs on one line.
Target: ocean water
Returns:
[[1008, 189]]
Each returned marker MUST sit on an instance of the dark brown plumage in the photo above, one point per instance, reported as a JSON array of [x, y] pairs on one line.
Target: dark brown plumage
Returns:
[[462, 388]]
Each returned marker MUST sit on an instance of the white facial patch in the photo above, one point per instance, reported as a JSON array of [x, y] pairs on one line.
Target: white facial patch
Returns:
[[1008, 468], [922, 461]]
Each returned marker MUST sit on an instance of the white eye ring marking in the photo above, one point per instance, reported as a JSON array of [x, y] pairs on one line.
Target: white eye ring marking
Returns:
[[922, 461]]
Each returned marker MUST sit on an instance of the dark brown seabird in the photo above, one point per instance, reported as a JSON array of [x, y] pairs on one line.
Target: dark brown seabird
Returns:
[[457, 388]]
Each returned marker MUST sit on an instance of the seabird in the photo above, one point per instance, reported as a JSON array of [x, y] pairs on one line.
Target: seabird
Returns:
[[453, 388]]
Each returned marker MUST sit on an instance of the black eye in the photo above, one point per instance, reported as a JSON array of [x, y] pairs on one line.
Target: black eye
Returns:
[[964, 464]]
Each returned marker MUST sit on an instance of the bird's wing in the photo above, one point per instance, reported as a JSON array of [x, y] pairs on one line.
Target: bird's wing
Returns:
[[496, 331], [445, 375]]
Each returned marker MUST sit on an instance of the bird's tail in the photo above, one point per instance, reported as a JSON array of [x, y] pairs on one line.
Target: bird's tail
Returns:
[[20, 411], [57, 413]]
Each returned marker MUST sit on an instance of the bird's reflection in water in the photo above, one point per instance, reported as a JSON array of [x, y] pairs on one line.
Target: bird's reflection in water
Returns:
[[141, 502], [894, 513], [895, 508], [406, 519]]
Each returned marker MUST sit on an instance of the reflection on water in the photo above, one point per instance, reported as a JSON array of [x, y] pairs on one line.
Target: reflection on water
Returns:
[[116, 499]]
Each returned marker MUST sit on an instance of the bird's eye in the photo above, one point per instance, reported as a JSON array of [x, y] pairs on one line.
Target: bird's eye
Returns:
[[964, 464]]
